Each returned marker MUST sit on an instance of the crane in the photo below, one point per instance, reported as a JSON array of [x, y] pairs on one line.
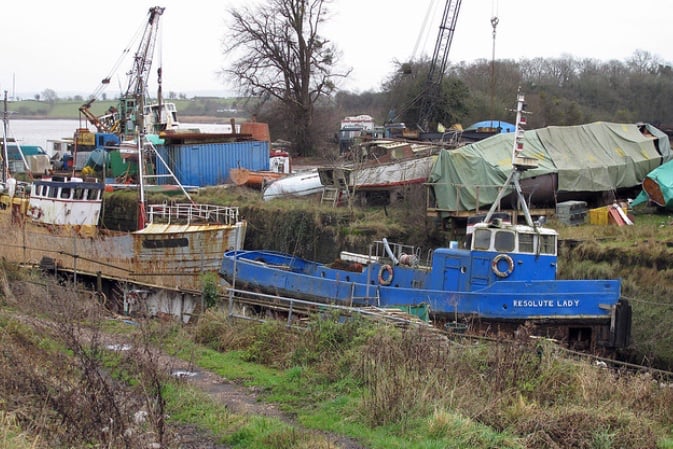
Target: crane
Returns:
[[131, 108], [130, 116], [438, 63]]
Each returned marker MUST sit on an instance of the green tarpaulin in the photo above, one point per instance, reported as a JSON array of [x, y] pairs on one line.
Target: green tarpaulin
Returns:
[[658, 187], [595, 157]]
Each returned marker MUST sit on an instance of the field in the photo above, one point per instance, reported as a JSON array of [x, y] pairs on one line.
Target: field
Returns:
[[69, 109]]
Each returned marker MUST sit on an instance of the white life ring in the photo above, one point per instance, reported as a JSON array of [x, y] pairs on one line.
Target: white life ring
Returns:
[[496, 270], [383, 279]]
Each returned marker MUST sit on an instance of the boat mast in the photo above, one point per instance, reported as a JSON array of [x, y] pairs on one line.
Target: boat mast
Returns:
[[140, 142], [5, 160], [133, 103], [519, 165]]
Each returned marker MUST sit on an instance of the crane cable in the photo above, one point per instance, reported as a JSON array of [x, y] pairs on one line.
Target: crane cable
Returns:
[[160, 70], [101, 87], [424, 33]]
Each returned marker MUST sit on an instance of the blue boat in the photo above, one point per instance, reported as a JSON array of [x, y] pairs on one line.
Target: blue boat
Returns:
[[506, 273]]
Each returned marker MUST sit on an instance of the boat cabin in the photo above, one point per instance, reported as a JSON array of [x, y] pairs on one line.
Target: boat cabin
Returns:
[[498, 252], [63, 200], [514, 239], [25, 158], [160, 117]]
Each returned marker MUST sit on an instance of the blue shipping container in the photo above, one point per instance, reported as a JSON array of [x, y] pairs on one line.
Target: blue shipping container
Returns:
[[209, 164]]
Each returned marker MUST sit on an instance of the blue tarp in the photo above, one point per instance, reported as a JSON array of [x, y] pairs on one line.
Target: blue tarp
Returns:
[[504, 126]]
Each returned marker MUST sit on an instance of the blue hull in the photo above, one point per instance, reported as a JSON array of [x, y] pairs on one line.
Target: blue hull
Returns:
[[481, 295]]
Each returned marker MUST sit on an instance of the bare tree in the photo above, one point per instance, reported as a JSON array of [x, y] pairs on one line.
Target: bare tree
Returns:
[[49, 95], [283, 58]]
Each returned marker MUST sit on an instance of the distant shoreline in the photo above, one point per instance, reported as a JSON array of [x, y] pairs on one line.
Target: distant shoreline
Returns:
[[183, 118]]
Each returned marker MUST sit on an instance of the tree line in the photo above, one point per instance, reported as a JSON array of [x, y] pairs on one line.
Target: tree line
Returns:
[[291, 73], [559, 92], [51, 96]]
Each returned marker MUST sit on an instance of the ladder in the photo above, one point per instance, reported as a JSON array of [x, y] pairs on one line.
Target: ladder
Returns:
[[336, 188], [330, 194]]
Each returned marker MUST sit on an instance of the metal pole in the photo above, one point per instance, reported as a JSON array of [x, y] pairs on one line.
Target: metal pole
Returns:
[[5, 160], [494, 24]]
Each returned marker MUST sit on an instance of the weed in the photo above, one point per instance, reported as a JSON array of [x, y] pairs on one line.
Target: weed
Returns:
[[210, 289], [12, 435], [272, 345]]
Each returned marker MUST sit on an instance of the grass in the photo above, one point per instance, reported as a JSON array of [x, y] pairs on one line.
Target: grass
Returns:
[[315, 405], [640, 256], [649, 225], [190, 406], [307, 392], [462, 412], [382, 386], [12, 435]]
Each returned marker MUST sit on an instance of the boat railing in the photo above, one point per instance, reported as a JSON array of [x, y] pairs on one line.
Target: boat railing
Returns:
[[191, 213], [295, 306], [428, 258], [401, 253]]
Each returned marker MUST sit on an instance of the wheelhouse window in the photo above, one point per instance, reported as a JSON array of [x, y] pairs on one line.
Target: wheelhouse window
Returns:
[[92, 194], [504, 241], [527, 243], [537, 243], [482, 239], [65, 193], [548, 244]]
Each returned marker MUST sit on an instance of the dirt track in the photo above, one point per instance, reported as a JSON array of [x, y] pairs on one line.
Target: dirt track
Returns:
[[237, 398]]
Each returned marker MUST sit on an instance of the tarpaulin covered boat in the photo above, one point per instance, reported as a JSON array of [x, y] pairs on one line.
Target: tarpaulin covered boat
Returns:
[[658, 187], [572, 160]]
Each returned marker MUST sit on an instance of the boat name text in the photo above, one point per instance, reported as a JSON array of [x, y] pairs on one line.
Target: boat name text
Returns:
[[546, 303]]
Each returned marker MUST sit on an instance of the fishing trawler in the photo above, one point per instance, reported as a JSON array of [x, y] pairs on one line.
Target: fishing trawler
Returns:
[[55, 223], [155, 265]]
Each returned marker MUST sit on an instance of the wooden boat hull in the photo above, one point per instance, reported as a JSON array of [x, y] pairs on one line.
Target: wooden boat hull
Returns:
[[255, 179], [379, 177], [382, 166]]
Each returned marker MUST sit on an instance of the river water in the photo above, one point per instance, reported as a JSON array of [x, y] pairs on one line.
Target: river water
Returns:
[[38, 132]]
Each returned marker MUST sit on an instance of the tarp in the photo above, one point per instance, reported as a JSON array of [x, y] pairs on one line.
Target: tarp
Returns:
[[504, 127], [27, 150], [658, 187], [595, 157]]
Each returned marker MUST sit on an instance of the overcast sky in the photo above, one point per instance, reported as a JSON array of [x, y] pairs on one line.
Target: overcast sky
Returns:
[[69, 49]]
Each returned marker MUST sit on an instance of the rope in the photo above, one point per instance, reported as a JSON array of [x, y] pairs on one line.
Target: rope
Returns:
[[101, 87], [423, 33]]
